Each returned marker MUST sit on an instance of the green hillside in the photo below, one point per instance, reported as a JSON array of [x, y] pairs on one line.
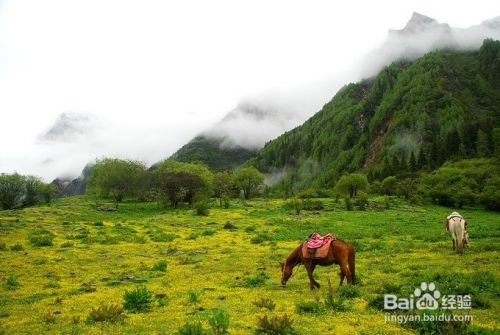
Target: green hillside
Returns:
[[210, 152], [413, 116]]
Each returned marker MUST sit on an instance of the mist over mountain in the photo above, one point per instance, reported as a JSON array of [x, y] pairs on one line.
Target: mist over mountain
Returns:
[[259, 119], [423, 34], [69, 126]]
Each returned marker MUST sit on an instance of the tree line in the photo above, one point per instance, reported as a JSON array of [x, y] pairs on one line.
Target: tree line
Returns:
[[170, 183], [18, 190]]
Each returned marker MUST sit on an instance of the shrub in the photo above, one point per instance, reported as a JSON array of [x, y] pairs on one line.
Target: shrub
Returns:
[[219, 322], [208, 232], [309, 193], [159, 235], [11, 282], [258, 280], [265, 303], [336, 303], [313, 204], [3, 246], [202, 209], [348, 291], [194, 296], [106, 313], [362, 200], [138, 300], [259, 238], [49, 318], [160, 266], [282, 325], [348, 204], [296, 204], [17, 247], [194, 328], [66, 244], [41, 238], [309, 307], [52, 284]]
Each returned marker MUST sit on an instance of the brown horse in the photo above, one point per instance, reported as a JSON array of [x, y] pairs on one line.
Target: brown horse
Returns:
[[340, 252]]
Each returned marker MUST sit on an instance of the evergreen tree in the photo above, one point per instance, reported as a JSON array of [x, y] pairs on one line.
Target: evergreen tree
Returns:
[[496, 141], [482, 145], [412, 162]]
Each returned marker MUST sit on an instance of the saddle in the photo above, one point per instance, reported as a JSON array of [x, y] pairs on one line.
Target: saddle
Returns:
[[317, 246]]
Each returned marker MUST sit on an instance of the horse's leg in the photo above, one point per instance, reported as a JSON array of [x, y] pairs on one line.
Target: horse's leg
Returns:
[[314, 280], [344, 268], [309, 269], [342, 276], [453, 244]]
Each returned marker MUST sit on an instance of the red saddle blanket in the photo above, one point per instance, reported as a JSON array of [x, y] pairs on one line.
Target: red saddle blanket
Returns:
[[317, 246]]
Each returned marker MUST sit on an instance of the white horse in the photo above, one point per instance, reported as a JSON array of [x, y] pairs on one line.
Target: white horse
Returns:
[[458, 233]]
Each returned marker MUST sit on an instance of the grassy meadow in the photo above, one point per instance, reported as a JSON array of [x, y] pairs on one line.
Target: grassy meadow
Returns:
[[61, 261]]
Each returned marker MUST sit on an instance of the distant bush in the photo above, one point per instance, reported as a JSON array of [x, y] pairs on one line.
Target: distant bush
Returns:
[[259, 238], [348, 291], [41, 238], [309, 193], [313, 204], [282, 325], [194, 296], [219, 322], [361, 200], [267, 303], [160, 266], [257, 280], [202, 209], [106, 313], [17, 247], [348, 204], [191, 328], [309, 307], [295, 204], [11, 282], [138, 300], [66, 244], [3, 246], [336, 302], [159, 235]]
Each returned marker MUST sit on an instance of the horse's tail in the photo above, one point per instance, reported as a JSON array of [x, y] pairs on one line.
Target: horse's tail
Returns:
[[352, 263]]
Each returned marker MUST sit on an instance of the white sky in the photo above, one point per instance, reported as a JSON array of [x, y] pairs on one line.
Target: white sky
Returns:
[[156, 73]]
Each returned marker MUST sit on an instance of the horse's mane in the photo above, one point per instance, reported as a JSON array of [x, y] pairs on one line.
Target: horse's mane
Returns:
[[294, 255]]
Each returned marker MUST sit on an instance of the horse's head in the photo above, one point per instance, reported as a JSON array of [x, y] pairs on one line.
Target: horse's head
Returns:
[[286, 272]]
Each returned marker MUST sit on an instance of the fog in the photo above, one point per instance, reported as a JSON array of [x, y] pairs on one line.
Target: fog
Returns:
[[84, 80]]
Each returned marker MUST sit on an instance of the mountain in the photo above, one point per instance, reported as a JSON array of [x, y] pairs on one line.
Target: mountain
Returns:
[[67, 187], [255, 121], [212, 152], [413, 115], [238, 136], [423, 34]]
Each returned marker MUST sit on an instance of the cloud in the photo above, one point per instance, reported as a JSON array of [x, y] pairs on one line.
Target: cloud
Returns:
[[423, 34], [70, 126]]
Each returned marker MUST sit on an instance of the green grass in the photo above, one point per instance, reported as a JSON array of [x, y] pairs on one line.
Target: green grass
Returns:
[[96, 257]]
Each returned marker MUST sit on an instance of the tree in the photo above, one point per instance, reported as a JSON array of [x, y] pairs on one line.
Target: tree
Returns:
[[496, 141], [11, 190], [248, 179], [482, 145], [177, 181], [116, 178], [389, 185], [412, 163], [33, 187], [351, 184], [222, 185]]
